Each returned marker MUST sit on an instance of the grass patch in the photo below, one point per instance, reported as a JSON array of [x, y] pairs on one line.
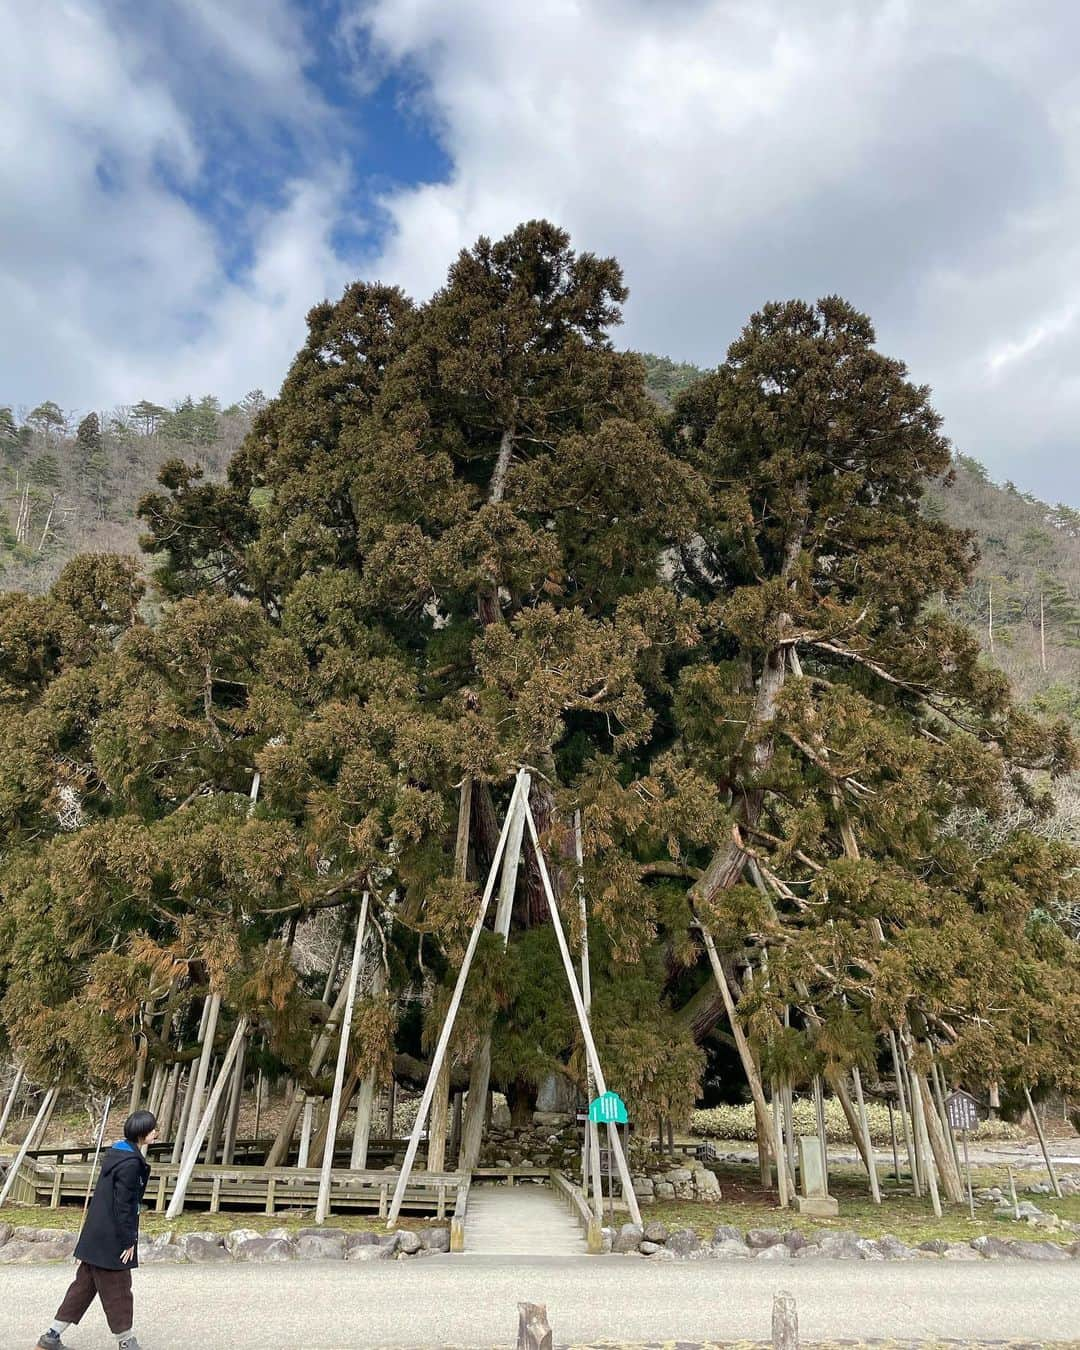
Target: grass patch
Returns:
[[745, 1204]]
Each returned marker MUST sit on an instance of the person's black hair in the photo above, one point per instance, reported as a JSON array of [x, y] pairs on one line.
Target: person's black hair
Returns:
[[138, 1125]]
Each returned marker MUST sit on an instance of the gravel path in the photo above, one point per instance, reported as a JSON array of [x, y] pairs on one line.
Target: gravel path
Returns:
[[472, 1302]]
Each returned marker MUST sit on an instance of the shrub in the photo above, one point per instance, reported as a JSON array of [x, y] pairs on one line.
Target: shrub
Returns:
[[737, 1122]]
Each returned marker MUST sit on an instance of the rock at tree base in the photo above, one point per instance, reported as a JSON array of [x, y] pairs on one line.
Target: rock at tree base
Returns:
[[628, 1238], [264, 1250], [320, 1247]]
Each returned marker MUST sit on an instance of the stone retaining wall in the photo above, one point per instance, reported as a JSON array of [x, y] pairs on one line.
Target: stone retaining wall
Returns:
[[23, 1246]]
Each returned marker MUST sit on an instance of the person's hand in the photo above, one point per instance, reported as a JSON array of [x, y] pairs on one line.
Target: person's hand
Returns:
[[125, 1257]]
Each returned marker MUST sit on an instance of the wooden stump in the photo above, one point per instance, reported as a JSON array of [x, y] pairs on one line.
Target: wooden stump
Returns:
[[785, 1322], [533, 1330]]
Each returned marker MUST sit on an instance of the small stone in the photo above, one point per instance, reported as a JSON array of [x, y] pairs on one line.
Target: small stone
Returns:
[[655, 1231], [730, 1249], [320, 1247], [643, 1187], [361, 1240], [369, 1252], [264, 1250], [167, 1254], [892, 1249], [990, 1247], [683, 1242], [17, 1252], [725, 1232], [6, 1231], [282, 1233], [1039, 1251], [937, 1245], [759, 1238], [239, 1235], [706, 1184], [664, 1190], [780, 1252], [960, 1251], [649, 1248], [322, 1232], [794, 1240], [408, 1242], [628, 1238], [203, 1247], [435, 1239]]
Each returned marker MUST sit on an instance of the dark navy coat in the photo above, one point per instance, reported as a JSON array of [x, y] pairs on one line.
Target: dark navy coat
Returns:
[[112, 1221]]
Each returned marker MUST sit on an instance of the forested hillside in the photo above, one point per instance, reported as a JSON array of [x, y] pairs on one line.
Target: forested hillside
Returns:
[[72, 485]]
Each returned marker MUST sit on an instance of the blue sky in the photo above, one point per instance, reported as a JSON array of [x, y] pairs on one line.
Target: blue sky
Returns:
[[179, 182]]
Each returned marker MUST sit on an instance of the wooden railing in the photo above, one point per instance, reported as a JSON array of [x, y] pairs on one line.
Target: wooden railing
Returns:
[[579, 1207], [457, 1223], [42, 1182]]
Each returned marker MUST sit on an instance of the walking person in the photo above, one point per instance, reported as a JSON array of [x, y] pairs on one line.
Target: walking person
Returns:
[[108, 1246]]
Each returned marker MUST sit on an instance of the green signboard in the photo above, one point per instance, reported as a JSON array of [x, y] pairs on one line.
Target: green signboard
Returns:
[[608, 1109]]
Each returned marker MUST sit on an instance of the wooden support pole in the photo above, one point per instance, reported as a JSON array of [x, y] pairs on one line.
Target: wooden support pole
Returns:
[[279, 1149], [948, 1173], [583, 1020], [233, 1120], [782, 1188], [455, 1002], [741, 1043], [199, 1088], [901, 1092], [941, 1091], [892, 1139], [183, 1090], [258, 1101], [322, 1208], [44, 1110], [864, 1119], [202, 1126], [1042, 1142], [365, 1098], [305, 1132], [11, 1099], [140, 1074], [918, 1114], [439, 1121], [472, 1133], [819, 1111], [97, 1152], [592, 1134]]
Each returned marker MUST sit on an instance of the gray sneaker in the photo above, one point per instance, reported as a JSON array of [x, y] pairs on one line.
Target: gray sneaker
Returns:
[[50, 1340]]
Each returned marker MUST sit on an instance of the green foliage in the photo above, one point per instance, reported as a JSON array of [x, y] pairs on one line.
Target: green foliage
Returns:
[[463, 539]]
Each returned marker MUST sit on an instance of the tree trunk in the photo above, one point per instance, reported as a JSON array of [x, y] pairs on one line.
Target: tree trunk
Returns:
[[521, 1099], [943, 1156], [280, 1147]]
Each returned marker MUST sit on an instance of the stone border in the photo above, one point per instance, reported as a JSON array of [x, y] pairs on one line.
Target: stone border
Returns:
[[657, 1243], [26, 1246]]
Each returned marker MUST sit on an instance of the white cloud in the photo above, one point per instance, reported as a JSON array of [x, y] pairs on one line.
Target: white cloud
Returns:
[[115, 281], [919, 158]]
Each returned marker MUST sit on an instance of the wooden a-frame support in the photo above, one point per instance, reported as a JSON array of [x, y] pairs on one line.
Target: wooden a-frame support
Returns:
[[518, 811]]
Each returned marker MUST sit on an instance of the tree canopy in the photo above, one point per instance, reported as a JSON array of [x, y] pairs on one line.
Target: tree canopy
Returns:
[[463, 539]]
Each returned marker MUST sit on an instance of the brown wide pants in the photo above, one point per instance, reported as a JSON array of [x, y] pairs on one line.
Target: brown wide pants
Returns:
[[113, 1287]]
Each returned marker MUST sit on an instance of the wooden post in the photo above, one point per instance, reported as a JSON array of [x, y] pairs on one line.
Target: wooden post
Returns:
[[216, 1124], [322, 1208], [892, 1138], [331, 974], [534, 1333], [191, 1152], [592, 1134], [455, 1002], [785, 1322], [305, 1132], [279, 1149], [782, 1188], [948, 1174], [455, 1127], [199, 1087], [391, 1108], [183, 1087], [1012, 1193], [24, 1148], [11, 1099], [898, 1070], [440, 1120], [819, 1111], [365, 1098], [864, 1118], [140, 1074], [258, 1101], [918, 1111], [97, 1152], [741, 1043], [586, 1030], [1042, 1142], [233, 1119]]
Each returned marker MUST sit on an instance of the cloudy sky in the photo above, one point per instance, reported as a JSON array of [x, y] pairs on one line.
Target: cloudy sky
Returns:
[[179, 181]]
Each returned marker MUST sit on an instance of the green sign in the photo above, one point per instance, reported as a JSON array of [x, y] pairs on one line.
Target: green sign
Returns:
[[609, 1109]]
